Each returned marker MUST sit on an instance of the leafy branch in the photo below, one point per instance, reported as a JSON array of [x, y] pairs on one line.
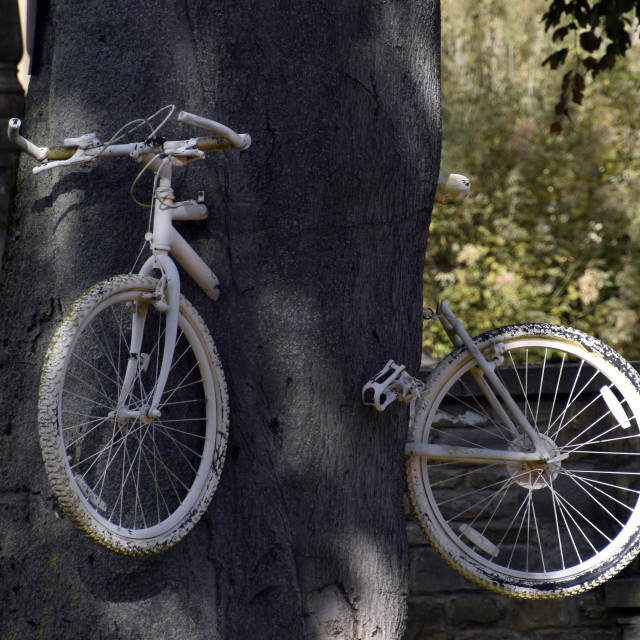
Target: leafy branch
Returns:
[[601, 32]]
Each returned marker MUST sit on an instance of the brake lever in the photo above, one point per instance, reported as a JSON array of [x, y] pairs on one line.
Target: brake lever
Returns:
[[79, 157]]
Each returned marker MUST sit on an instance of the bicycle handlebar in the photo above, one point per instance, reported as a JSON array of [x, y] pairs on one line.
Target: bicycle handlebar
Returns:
[[88, 147], [39, 153], [238, 140]]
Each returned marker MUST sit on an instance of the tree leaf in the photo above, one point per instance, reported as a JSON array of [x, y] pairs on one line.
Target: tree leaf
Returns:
[[557, 58], [577, 95], [562, 32], [556, 127], [561, 108], [590, 63], [589, 41]]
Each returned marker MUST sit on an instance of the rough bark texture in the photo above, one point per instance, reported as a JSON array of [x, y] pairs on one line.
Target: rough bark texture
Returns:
[[317, 234], [11, 101]]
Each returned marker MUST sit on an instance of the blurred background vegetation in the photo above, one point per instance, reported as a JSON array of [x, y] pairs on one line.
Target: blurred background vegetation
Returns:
[[551, 229]]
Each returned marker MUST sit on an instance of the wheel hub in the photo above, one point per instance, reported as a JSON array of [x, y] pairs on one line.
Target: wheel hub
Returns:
[[534, 475]]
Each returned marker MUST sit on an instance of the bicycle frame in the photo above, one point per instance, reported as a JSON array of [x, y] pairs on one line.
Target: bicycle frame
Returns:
[[133, 402], [386, 387], [455, 329], [165, 240]]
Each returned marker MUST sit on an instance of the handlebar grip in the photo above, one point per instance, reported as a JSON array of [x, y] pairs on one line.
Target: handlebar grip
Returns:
[[213, 144], [13, 131], [60, 153], [238, 140]]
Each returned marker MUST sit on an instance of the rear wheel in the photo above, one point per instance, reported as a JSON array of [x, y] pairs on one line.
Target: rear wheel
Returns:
[[134, 483], [532, 529]]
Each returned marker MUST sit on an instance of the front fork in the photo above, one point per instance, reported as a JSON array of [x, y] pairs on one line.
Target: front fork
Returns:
[[393, 382], [164, 239], [169, 304]]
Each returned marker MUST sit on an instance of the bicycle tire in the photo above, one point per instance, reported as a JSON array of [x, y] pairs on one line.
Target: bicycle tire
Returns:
[[135, 486], [533, 530]]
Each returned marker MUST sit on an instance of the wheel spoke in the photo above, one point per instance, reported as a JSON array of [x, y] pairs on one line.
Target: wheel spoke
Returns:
[[531, 519], [132, 472]]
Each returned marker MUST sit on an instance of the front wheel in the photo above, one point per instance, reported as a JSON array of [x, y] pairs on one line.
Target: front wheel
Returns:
[[134, 483], [532, 529]]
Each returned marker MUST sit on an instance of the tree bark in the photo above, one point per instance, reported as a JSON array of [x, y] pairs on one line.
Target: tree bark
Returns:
[[317, 234], [11, 101]]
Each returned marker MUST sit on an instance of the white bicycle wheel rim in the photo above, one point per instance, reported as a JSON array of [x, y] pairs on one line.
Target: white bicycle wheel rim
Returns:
[[182, 513], [148, 538], [456, 551]]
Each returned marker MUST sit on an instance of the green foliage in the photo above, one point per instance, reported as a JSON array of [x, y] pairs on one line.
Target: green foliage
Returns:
[[600, 31], [550, 231]]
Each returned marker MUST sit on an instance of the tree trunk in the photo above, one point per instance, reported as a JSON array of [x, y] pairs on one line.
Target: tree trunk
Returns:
[[11, 102], [317, 234]]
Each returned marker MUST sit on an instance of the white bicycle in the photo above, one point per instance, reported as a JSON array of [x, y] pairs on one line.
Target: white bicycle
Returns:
[[523, 445], [133, 406], [523, 456]]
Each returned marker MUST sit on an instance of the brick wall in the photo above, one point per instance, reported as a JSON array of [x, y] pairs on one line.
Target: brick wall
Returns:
[[445, 606]]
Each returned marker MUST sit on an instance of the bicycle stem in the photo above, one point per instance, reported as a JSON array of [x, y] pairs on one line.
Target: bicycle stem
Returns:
[[455, 329]]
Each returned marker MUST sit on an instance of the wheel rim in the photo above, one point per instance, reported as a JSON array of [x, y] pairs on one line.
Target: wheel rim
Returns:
[[138, 478], [588, 511]]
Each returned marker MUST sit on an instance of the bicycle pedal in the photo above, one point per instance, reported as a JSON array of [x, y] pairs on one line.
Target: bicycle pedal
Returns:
[[377, 393], [391, 383]]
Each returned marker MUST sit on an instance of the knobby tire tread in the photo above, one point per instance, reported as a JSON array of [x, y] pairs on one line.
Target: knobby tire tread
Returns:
[[51, 440], [457, 559]]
